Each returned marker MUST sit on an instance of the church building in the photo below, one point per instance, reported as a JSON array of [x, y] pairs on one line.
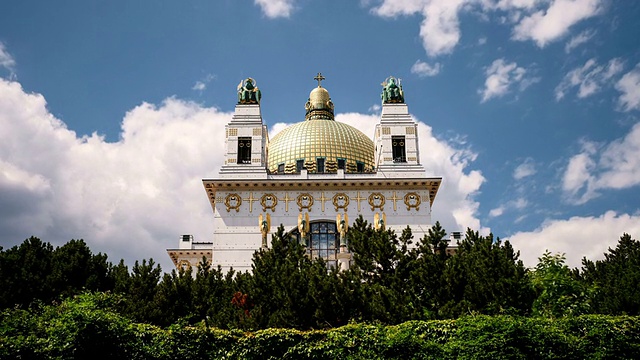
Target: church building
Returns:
[[312, 177]]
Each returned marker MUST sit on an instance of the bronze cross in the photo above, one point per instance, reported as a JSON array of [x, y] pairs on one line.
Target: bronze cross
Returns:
[[319, 77]]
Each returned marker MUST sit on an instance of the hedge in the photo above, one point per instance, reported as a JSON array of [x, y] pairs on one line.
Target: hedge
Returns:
[[85, 327]]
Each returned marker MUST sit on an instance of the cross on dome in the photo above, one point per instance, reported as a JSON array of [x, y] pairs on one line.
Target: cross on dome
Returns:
[[319, 77]]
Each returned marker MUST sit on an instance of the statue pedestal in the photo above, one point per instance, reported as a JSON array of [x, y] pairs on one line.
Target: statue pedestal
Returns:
[[343, 261]]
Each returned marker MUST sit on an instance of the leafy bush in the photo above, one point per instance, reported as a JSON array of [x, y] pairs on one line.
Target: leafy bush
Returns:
[[86, 326]]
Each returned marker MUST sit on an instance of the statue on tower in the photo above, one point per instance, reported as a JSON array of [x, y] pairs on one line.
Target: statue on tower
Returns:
[[248, 92], [392, 91]]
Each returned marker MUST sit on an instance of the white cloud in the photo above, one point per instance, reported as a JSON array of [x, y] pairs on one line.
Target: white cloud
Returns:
[[497, 211], [202, 84], [578, 40], [439, 30], [6, 60], [527, 168], [541, 21], [423, 69], [500, 78], [545, 26], [517, 204], [629, 86], [276, 8], [613, 166], [589, 78], [576, 237], [131, 198]]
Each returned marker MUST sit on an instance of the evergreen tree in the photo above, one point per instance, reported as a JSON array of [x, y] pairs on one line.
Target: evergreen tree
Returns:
[[616, 278], [486, 277]]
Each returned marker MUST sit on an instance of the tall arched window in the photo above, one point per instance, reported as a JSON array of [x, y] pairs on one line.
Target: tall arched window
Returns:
[[322, 241]]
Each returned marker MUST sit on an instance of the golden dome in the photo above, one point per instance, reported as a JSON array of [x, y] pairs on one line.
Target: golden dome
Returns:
[[320, 144], [310, 140]]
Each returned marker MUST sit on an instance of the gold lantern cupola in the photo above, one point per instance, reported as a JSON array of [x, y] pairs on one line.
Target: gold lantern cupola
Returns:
[[319, 106]]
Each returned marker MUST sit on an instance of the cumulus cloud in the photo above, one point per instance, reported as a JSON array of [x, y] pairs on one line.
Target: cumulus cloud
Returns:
[[629, 86], [576, 237], [131, 198], [501, 76], [615, 165], [578, 40], [6, 60], [547, 25], [423, 69], [541, 21], [589, 78], [439, 30], [276, 8]]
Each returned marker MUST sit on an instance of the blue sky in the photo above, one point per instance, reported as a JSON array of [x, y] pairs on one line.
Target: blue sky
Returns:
[[111, 112]]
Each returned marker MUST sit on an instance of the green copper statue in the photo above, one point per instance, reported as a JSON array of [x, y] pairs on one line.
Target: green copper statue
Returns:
[[392, 91], [248, 93]]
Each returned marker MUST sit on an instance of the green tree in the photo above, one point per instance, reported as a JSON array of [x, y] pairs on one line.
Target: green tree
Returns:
[[24, 273], [141, 290], [286, 286], [559, 293], [616, 278], [486, 277]]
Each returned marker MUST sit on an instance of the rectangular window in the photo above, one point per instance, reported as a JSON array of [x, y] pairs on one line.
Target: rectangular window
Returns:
[[244, 150], [342, 163], [398, 149], [299, 165], [320, 162], [359, 167], [280, 168]]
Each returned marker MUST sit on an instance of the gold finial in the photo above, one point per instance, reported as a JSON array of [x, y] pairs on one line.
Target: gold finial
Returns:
[[319, 77]]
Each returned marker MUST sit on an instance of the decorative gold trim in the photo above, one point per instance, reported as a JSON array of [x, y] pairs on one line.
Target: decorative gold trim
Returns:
[[341, 197], [270, 198], [386, 130], [412, 200], [233, 197], [411, 130], [379, 198], [305, 201], [233, 132], [286, 201], [358, 199], [395, 198], [323, 200], [251, 199], [257, 131]]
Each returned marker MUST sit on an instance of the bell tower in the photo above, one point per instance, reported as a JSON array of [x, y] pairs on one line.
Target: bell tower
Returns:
[[396, 135], [246, 136]]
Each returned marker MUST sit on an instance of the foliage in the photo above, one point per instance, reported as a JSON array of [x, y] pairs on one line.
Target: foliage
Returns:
[[87, 326], [616, 279], [559, 293]]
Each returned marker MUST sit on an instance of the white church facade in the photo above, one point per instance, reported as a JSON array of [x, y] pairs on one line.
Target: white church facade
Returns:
[[312, 177]]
